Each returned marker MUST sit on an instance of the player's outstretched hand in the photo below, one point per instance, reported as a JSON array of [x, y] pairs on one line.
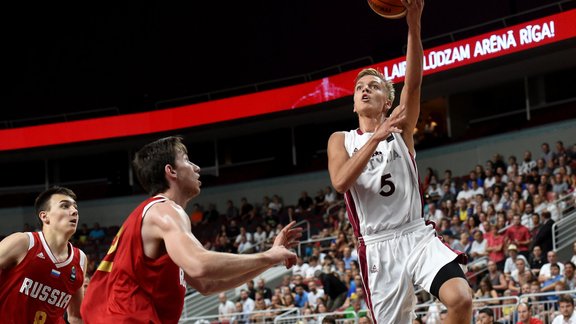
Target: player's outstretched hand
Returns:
[[392, 124], [289, 236]]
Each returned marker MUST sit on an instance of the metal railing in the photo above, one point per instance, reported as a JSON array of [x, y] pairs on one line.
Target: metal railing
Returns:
[[564, 228]]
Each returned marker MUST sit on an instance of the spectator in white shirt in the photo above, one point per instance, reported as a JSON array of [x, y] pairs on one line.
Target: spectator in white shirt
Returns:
[[465, 193], [314, 294], [225, 308], [313, 265], [527, 164], [545, 273], [510, 263], [566, 306], [300, 267], [259, 236]]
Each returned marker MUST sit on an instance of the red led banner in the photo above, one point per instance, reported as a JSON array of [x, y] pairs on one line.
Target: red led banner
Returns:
[[505, 41]]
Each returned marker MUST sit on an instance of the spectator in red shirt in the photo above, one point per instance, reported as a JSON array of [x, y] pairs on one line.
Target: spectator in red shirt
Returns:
[[519, 235], [525, 315]]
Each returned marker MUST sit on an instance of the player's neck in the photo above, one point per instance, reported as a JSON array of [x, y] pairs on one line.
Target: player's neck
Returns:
[[369, 124], [58, 243], [179, 199]]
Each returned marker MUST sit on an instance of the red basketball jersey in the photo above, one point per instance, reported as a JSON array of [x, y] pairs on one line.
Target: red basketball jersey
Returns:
[[39, 288], [129, 287]]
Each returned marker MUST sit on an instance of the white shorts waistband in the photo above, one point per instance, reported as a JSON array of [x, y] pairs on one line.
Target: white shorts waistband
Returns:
[[389, 234]]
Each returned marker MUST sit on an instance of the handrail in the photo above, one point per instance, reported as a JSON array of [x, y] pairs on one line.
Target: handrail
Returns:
[[337, 204], [307, 226], [314, 241]]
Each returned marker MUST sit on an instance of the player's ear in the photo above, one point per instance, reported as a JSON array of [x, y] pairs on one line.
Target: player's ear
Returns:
[[43, 215], [169, 170]]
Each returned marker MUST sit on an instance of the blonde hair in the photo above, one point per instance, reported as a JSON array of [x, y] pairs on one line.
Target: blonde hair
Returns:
[[388, 85]]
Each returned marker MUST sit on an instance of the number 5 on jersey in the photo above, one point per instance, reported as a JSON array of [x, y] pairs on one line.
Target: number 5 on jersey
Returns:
[[386, 185]]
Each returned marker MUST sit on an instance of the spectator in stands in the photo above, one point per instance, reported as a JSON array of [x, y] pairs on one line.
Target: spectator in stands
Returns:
[[300, 267], [478, 250], [485, 316], [519, 235], [569, 277], [313, 265], [545, 271], [300, 296], [476, 190], [527, 163], [566, 306], [428, 178], [319, 202], [543, 237], [211, 215], [366, 320], [465, 193], [330, 196], [489, 179], [536, 260], [275, 205], [496, 278], [231, 210], [335, 290], [451, 240], [520, 276], [288, 300], [246, 210], [238, 317], [526, 217], [97, 234], [563, 167], [573, 259], [495, 243], [434, 191], [251, 289], [305, 203], [560, 150], [513, 255], [259, 313], [547, 154], [486, 291], [448, 194], [448, 179], [263, 289], [535, 225], [245, 233], [259, 237], [225, 308], [348, 256], [314, 294], [559, 186], [433, 214], [248, 303], [555, 276], [525, 314]]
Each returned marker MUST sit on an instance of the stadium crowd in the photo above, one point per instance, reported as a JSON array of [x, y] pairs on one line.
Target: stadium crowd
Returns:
[[500, 213]]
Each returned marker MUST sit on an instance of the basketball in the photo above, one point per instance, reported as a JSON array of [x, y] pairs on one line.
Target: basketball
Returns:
[[392, 9]]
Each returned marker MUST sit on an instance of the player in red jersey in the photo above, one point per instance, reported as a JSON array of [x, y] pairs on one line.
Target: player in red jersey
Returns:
[[143, 277], [41, 272]]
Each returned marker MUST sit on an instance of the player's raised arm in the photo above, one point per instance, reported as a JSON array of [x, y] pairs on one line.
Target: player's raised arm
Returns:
[[410, 96]]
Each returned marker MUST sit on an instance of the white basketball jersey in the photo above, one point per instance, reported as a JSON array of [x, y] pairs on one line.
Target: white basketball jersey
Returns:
[[387, 193]]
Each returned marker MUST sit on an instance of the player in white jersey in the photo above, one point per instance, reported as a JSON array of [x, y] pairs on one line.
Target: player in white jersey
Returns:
[[374, 167]]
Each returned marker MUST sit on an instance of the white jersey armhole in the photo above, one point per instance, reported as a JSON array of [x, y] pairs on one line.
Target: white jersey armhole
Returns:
[[83, 264], [150, 204], [30, 240]]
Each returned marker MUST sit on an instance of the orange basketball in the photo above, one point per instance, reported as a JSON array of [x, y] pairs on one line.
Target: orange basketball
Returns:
[[392, 9]]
